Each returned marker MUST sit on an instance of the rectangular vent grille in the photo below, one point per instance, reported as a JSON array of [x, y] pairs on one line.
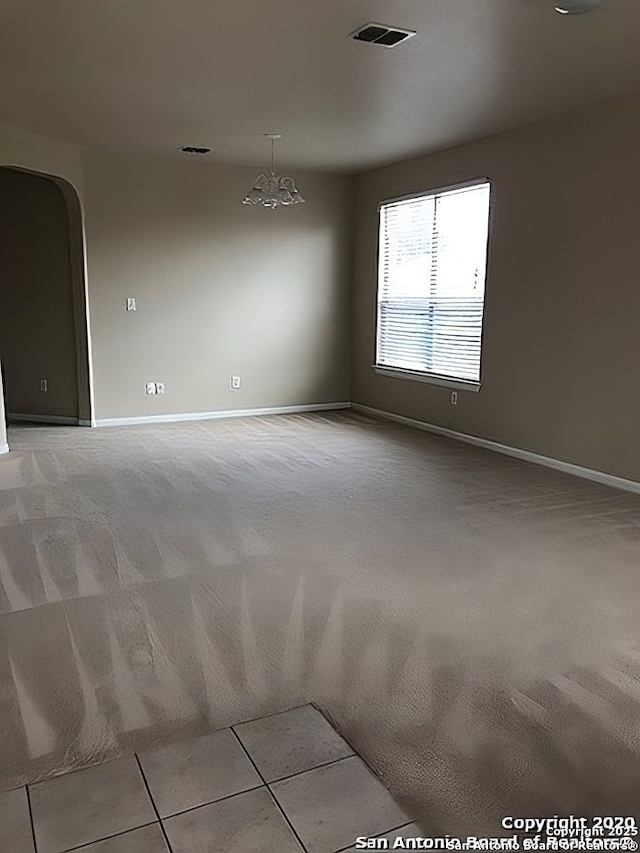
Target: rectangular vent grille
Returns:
[[381, 34]]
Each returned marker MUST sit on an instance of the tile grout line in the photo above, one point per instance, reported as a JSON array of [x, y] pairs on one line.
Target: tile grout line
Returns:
[[317, 767], [86, 844], [33, 829], [386, 832], [146, 785], [268, 716], [213, 802], [277, 804]]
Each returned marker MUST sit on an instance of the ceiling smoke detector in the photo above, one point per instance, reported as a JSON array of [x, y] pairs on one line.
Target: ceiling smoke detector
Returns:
[[381, 34], [576, 7], [193, 149]]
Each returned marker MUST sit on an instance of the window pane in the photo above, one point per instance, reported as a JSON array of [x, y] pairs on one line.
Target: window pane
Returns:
[[431, 278], [462, 224]]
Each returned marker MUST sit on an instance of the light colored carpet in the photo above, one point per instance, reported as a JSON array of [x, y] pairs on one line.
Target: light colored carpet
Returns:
[[470, 623]]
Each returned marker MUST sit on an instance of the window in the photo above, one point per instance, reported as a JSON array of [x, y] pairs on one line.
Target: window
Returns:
[[431, 277]]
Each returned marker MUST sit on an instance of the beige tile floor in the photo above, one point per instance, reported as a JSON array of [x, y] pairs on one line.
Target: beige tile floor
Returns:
[[286, 783]]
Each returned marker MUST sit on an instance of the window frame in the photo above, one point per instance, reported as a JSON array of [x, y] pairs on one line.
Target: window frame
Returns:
[[424, 376]]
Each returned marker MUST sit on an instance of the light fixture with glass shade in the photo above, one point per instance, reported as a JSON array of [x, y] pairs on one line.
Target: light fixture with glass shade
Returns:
[[270, 190]]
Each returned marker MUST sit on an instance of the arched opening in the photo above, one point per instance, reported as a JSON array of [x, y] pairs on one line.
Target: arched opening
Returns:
[[44, 340]]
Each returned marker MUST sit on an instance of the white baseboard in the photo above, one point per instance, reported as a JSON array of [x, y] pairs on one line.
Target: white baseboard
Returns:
[[4, 448], [229, 413], [518, 453], [43, 419]]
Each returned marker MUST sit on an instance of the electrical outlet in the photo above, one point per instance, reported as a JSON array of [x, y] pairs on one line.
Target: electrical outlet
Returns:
[[235, 383], [150, 388], [159, 387], [43, 384], [131, 303], [454, 398]]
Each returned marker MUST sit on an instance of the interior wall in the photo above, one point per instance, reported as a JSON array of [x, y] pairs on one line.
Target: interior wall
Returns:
[[561, 346], [37, 329], [25, 150], [221, 289]]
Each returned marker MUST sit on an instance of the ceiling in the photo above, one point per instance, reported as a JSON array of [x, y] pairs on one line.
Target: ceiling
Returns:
[[154, 75]]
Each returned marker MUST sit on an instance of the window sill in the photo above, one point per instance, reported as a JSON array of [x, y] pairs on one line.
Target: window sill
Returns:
[[431, 379]]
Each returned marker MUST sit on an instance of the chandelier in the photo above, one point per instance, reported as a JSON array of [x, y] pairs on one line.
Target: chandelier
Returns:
[[270, 190]]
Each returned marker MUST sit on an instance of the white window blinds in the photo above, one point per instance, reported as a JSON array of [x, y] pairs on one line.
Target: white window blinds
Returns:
[[431, 277]]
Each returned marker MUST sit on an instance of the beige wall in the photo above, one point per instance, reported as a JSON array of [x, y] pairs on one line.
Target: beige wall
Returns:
[[221, 289], [562, 318], [37, 334]]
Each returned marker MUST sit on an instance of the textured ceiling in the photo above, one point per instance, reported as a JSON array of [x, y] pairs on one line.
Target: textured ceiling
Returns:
[[159, 74]]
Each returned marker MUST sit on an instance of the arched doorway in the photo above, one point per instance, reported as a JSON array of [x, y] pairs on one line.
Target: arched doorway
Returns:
[[44, 338]]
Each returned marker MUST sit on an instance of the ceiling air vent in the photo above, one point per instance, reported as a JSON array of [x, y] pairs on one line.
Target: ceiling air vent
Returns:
[[381, 34], [192, 149]]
